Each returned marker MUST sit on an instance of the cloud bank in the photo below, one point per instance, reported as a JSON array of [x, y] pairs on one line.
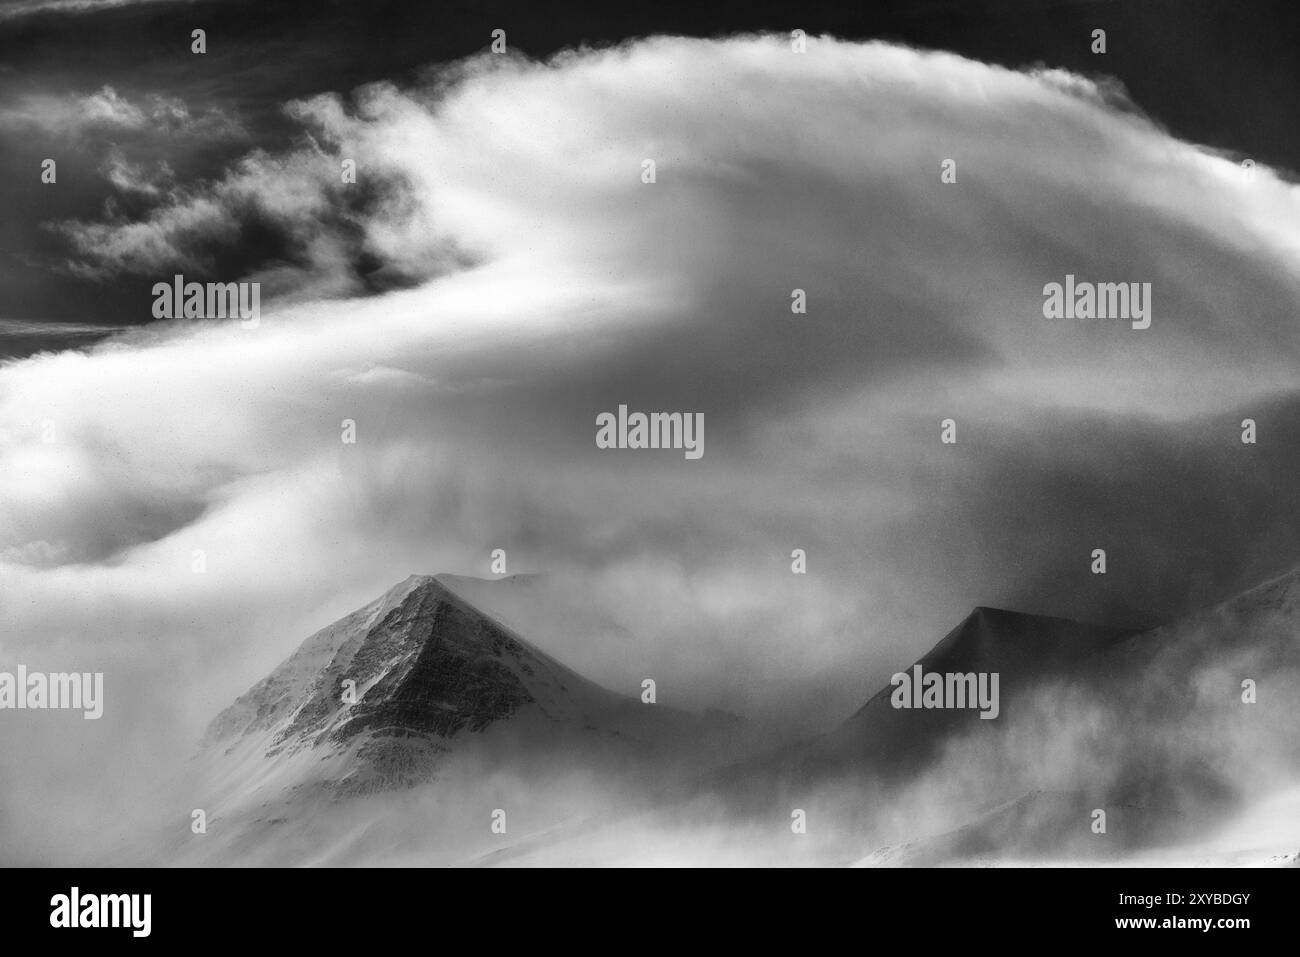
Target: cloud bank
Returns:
[[521, 278]]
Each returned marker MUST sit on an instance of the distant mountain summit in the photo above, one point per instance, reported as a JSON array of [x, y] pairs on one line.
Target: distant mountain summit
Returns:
[[885, 744], [422, 660], [1023, 649], [373, 701]]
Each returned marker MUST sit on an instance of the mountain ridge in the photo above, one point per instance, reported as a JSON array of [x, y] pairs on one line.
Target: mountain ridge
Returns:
[[447, 691], [383, 698]]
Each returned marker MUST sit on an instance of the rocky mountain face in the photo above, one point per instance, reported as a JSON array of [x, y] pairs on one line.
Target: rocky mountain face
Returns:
[[421, 663], [376, 700]]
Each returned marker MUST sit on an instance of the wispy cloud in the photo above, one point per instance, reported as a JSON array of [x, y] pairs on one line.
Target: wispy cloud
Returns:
[[16, 9], [106, 111]]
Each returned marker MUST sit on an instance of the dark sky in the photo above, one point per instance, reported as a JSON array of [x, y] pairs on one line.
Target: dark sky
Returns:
[[1217, 72]]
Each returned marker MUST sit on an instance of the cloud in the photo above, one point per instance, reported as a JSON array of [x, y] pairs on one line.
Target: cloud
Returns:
[[285, 215], [106, 112], [132, 178], [17, 9], [292, 217], [109, 109], [520, 278], [34, 327]]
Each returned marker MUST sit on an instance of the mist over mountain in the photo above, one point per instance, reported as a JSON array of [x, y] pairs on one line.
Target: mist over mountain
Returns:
[[420, 688], [456, 717]]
